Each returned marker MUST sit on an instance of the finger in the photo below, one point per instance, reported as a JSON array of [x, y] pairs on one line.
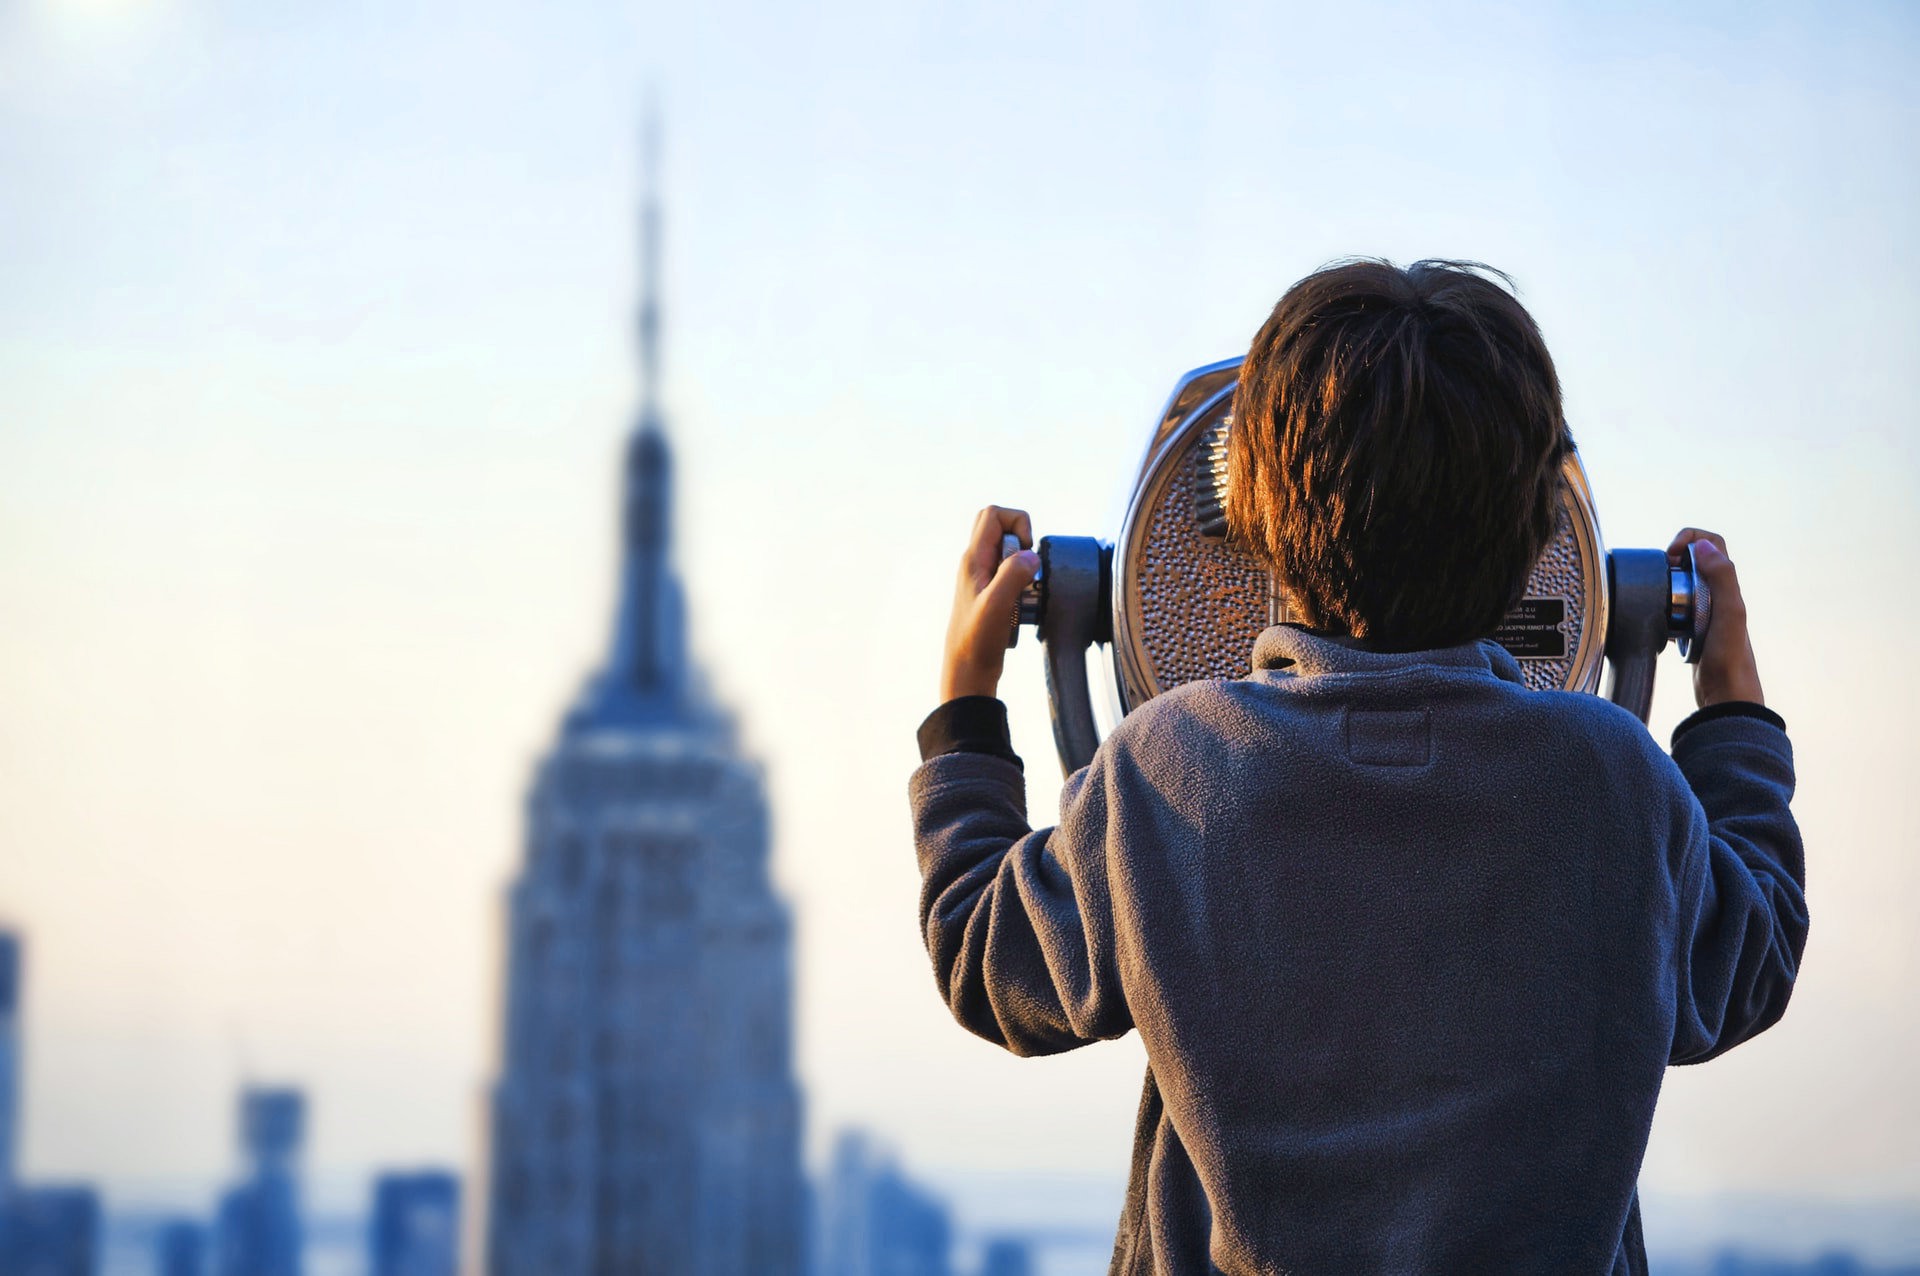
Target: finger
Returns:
[[983, 548], [1713, 562], [1002, 593], [1723, 581], [982, 554], [1000, 519], [1687, 536], [1020, 525]]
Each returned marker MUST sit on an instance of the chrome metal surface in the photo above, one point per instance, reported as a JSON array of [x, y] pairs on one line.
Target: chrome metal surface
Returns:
[[1574, 568], [1032, 603], [1689, 608], [1189, 393], [1185, 606], [1210, 480]]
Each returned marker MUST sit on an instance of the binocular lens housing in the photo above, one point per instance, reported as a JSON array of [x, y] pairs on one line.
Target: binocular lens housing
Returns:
[[1177, 600]]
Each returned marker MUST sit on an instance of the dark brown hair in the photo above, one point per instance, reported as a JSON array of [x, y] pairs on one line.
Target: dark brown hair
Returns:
[[1396, 449]]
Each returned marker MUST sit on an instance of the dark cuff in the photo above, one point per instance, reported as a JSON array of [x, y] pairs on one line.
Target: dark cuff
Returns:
[[968, 724], [1727, 709]]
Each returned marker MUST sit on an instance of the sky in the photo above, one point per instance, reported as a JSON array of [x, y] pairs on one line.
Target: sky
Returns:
[[316, 357]]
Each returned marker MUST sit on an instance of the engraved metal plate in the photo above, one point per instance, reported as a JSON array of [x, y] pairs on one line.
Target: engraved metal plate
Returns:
[[1188, 605]]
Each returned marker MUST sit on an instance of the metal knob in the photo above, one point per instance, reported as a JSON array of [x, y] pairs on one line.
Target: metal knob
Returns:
[[1032, 602], [1210, 482], [1689, 608]]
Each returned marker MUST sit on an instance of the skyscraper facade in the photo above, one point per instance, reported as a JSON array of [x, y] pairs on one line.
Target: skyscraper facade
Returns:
[[646, 1119], [1006, 1256], [9, 1061], [416, 1225], [259, 1229], [50, 1231], [180, 1248], [875, 1221]]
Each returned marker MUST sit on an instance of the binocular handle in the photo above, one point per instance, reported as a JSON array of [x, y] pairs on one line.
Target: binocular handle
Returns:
[[1069, 601], [1651, 602]]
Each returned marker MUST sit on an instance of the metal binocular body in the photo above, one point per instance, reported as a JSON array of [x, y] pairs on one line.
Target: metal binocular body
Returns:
[[1174, 600]]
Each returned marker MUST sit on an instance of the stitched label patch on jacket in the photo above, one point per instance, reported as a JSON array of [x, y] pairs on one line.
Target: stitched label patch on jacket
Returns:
[[1390, 737]]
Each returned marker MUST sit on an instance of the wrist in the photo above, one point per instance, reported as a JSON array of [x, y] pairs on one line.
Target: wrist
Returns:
[[1743, 691], [956, 683]]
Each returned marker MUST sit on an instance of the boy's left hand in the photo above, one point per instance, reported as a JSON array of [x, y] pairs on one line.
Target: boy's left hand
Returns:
[[984, 598], [1726, 670]]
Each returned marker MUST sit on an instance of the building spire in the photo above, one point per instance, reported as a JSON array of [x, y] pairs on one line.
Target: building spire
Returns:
[[645, 677], [650, 264]]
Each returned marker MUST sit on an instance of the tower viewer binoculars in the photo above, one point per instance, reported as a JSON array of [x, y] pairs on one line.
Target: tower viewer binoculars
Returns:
[[1175, 601]]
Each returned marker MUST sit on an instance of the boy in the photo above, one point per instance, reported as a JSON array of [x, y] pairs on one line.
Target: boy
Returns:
[[1409, 946]]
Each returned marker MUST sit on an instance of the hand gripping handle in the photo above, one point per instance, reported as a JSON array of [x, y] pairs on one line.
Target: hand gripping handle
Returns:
[[1652, 602]]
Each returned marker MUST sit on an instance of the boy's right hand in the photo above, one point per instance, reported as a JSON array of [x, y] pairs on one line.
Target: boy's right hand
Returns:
[[1726, 670], [984, 598]]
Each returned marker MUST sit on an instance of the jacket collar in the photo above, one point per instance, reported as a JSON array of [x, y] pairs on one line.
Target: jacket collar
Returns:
[[1292, 650]]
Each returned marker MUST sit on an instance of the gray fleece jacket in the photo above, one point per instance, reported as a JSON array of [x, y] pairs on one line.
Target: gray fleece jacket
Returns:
[[1409, 947]]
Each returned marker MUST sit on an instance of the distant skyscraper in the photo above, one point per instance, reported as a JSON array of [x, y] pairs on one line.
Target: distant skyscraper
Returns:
[[259, 1231], [9, 1060], [44, 1231], [646, 1119], [876, 1222], [416, 1225], [50, 1231], [180, 1249], [1005, 1256]]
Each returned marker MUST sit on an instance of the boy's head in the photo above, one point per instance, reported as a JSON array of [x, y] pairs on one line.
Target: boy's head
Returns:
[[1396, 450]]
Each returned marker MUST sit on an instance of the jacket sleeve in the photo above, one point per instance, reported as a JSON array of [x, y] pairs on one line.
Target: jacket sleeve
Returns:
[[1742, 886], [1018, 922]]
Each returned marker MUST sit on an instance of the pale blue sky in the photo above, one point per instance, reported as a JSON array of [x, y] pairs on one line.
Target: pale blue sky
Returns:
[[315, 357]]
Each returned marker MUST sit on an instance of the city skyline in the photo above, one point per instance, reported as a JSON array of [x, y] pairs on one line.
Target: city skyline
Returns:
[[645, 1114], [308, 395], [732, 1171]]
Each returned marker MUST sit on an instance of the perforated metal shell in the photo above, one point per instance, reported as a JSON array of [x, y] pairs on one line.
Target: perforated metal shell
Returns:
[[1188, 606]]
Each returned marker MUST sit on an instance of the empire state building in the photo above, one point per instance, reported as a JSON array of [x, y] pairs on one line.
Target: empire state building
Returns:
[[646, 1120]]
